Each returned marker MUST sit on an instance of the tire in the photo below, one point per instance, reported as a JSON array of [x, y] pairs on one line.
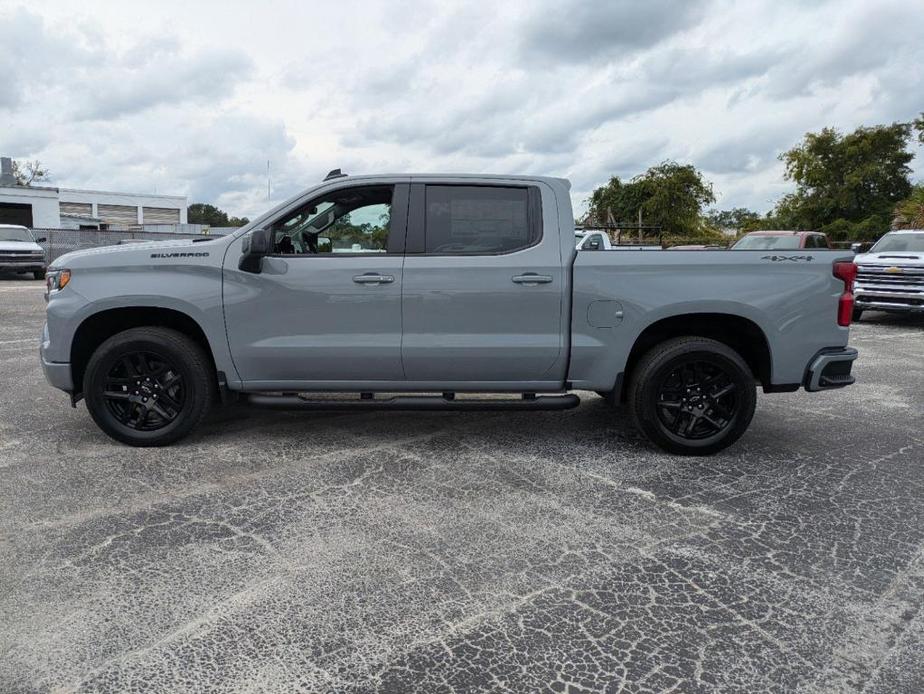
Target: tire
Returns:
[[691, 421], [38, 274], [160, 385], [856, 315]]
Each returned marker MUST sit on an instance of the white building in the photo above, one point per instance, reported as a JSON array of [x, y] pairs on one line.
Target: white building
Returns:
[[41, 207]]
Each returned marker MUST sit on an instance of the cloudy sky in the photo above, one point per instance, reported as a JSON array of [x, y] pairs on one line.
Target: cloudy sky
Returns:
[[194, 97]]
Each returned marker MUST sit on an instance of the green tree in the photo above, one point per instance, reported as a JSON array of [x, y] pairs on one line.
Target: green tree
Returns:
[[203, 213], [909, 213], [737, 218], [847, 185], [29, 172], [669, 195]]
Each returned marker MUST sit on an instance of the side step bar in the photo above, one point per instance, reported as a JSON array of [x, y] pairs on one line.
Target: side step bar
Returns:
[[415, 402]]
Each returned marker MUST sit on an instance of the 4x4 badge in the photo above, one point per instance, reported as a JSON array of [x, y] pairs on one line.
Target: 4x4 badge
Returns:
[[795, 258]]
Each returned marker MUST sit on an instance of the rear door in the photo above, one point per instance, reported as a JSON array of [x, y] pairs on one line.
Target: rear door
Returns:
[[483, 286]]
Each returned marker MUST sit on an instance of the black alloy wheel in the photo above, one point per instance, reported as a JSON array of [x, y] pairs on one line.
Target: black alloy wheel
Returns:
[[149, 386], [692, 395], [697, 399], [144, 391]]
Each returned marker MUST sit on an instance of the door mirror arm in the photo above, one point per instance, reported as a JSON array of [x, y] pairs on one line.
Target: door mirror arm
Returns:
[[255, 246]]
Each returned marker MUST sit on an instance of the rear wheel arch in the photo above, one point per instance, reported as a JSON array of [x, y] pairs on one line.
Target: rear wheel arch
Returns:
[[741, 334], [95, 329]]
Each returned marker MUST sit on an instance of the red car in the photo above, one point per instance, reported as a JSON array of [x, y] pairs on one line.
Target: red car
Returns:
[[781, 241]]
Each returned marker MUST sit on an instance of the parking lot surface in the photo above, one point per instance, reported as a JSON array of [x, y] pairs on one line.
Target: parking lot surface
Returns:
[[465, 551]]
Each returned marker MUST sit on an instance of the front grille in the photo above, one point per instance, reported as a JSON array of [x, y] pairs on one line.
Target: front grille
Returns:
[[877, 278], [20, 256]]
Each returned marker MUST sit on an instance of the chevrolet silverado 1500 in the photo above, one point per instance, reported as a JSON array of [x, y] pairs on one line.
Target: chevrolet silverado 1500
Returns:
[[402, 291]]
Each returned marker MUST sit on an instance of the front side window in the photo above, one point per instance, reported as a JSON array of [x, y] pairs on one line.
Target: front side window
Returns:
[[478, 220], [350, 220]]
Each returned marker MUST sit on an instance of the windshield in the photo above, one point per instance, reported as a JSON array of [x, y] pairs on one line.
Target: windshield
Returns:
[[15, 234], [899, 243], [762, 243]]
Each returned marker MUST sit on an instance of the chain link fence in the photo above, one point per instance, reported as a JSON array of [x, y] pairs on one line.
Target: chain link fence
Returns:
[[60, 241]]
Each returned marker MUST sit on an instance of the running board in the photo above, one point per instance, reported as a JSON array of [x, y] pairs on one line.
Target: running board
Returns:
[[415, 402]]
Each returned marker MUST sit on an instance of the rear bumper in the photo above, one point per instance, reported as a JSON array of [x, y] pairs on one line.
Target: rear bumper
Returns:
[[830, 369]]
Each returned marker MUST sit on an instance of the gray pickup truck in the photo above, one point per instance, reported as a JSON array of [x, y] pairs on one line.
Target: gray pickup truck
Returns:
[[417, 291]]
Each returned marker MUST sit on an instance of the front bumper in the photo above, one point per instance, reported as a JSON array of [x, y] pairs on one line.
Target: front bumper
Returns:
[[22, 265], [57, 374], [890, 301], [830, 369]]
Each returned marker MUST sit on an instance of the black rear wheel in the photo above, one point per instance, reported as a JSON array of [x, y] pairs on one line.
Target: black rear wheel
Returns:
[[857, 315], [692, 396], [148, 386]]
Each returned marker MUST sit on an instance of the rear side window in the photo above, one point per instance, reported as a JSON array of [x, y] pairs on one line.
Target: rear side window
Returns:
[[480, 220]]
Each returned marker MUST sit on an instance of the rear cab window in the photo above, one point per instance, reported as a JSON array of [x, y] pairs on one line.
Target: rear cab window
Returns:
[[474, 219]]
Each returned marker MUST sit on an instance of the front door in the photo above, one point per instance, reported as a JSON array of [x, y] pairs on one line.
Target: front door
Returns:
[[326, 307], [483, 288]]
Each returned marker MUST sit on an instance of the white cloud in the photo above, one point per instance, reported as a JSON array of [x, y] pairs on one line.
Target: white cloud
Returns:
[[195, 97]]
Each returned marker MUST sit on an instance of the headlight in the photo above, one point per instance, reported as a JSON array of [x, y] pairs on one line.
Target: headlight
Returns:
[[56, 279]]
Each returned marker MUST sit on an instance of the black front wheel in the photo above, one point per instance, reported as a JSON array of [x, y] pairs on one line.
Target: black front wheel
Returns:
[[149, 386], [692, 396]]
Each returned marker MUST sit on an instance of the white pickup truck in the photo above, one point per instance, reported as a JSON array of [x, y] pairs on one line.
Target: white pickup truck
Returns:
[[890, 276], [20, 251]]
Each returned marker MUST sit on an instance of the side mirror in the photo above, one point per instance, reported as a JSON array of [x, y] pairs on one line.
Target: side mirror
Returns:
[[41, 239], [594, 245], [257, 244], [855, 247]]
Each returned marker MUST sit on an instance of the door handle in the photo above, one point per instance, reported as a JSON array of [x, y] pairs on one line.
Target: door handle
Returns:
[[532, 278], [373, 278]]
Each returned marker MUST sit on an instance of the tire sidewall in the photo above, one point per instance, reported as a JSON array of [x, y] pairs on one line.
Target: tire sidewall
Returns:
[[105, 358], [648, 391]]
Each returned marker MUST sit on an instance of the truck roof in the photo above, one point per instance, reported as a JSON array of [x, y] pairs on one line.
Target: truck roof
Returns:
[[474, 176], [780, 232]]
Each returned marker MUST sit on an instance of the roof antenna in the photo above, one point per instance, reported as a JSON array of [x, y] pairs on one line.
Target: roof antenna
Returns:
[[334, 173]]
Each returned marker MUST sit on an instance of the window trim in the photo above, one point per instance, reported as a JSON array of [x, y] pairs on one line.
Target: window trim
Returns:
[[416, 243], [397, 233]]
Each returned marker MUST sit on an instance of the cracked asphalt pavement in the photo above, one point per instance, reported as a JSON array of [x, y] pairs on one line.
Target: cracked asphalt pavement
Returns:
[[450, 552]]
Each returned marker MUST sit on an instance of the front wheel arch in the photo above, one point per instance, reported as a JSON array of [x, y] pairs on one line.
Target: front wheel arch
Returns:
[[95, 329]]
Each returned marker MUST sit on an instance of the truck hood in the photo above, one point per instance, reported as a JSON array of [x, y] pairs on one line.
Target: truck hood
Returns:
[[890, 258], [19, 246], [131, 253]]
